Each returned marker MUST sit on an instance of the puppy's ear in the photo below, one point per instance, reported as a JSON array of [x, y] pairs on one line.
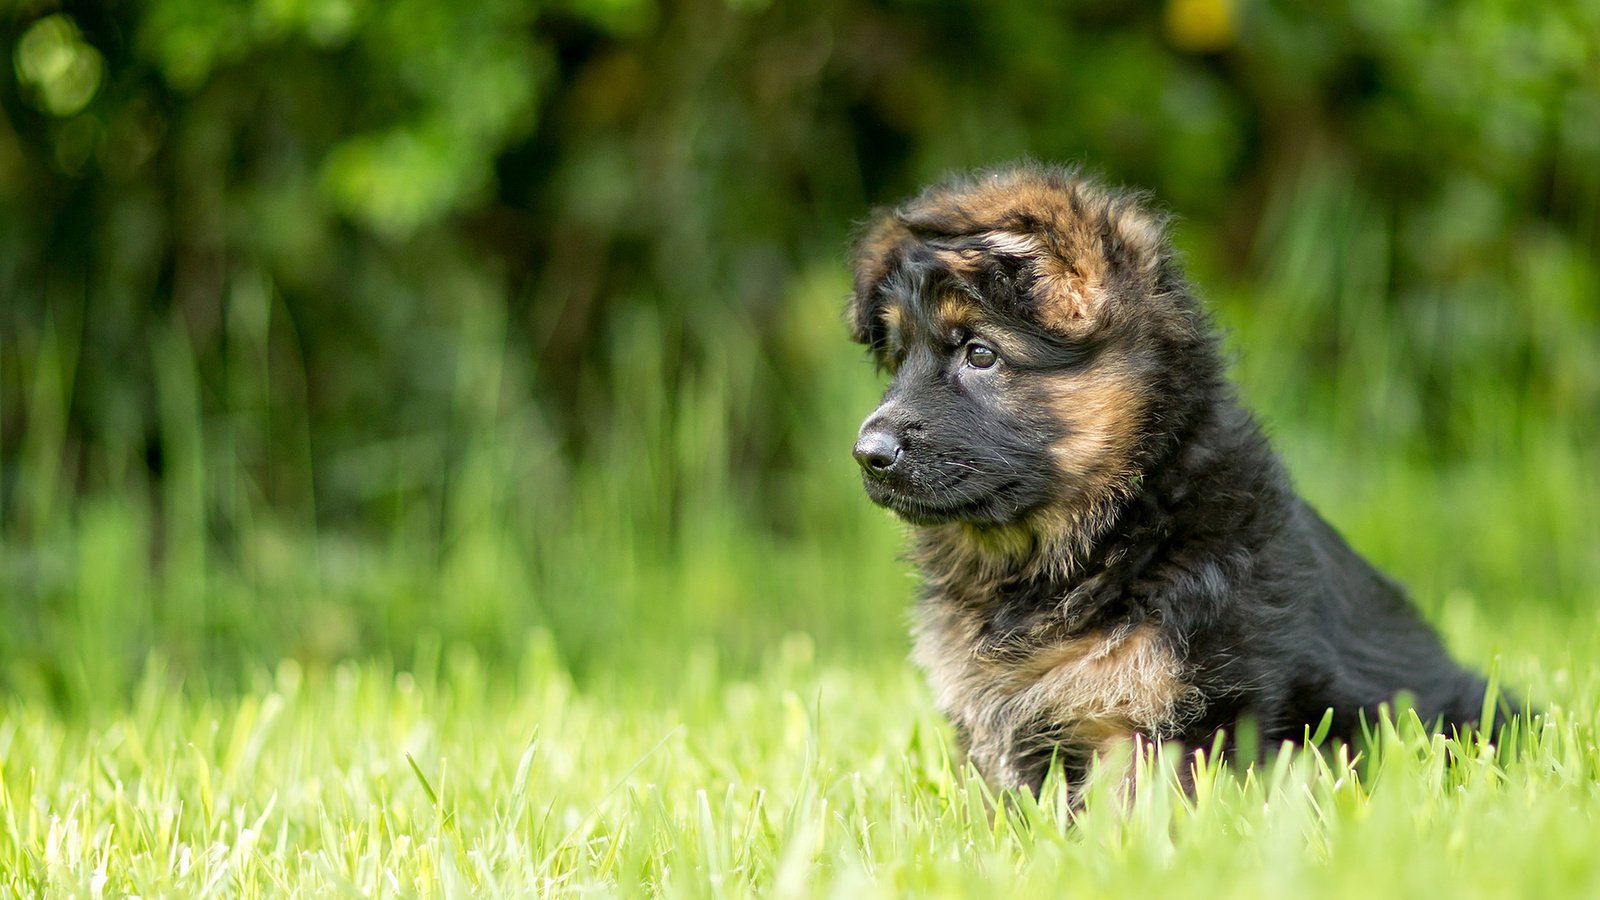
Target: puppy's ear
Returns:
[[877, 251], [1080, 245], [1091, 251]]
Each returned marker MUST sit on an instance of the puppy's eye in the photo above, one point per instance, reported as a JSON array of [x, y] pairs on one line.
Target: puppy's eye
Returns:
[[980, 356]]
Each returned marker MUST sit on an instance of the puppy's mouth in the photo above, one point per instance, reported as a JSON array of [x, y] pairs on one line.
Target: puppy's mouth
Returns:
[[922, 510]]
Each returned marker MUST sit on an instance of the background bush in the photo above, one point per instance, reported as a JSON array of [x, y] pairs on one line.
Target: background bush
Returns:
[[352, 328]]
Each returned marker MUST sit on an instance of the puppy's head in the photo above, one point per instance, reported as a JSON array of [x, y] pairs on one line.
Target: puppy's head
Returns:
[[1038, 337]]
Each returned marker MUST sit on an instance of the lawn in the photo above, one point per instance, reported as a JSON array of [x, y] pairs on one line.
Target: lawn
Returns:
[[801, 778]]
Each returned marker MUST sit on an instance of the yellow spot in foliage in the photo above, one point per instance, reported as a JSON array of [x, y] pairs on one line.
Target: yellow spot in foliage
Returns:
[[1200, 26]]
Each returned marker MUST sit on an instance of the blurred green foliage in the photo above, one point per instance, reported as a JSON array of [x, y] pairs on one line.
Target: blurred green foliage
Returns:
[[326, 325]]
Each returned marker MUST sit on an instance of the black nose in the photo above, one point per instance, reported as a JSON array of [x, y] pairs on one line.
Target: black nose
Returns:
[[878, 451]]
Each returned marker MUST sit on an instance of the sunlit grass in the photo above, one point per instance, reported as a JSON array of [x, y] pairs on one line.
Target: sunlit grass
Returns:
[[804, 778]]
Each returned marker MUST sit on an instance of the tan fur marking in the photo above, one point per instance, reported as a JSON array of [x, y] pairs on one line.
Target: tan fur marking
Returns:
[[1071, 279], [956, 312], [1113, 683], [1101, 411], [1014, 243], [893, 320], [1095, 690], [1073, 295], [960, 262]]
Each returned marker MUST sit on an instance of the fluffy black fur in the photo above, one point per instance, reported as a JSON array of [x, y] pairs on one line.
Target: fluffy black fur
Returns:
[[1189, 533]]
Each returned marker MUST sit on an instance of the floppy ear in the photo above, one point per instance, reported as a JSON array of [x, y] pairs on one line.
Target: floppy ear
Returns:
[[1078, 245], [876, 253], [1091, 250]]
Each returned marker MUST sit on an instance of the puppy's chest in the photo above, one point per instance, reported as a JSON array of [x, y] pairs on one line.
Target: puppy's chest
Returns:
[[1042, 684]]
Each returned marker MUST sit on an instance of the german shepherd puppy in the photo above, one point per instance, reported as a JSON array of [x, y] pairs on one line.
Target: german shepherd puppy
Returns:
[[1111, 551]]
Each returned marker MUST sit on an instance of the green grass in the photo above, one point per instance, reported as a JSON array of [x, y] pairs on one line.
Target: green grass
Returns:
[[806, 778]]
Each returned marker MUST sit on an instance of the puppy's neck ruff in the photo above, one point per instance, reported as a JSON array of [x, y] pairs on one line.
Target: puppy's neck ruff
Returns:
[[1057, 544]]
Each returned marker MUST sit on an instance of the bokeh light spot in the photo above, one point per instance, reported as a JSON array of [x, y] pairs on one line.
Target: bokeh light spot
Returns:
[[61, 70]]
